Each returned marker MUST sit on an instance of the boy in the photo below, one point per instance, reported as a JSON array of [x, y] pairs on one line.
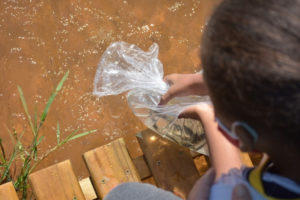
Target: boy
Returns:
[[251, 59]]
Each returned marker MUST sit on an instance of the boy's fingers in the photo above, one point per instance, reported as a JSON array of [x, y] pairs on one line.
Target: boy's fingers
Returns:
[[171, 93], [240, 192], [170, 79], [166, 98]]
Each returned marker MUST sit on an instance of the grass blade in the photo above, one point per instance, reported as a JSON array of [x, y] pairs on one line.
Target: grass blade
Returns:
[[3, 157], [61, 83], [11, 137], [18, 141], [26, 109], [68, 137], [6, 171], [58, 133], [81, 135], [40, 140], [51, 99], [71, 135], [35, 120], [34, 148], [3, 160]]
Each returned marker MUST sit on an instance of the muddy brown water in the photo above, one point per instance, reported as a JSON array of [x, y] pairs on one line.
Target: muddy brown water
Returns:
[[41, 40]]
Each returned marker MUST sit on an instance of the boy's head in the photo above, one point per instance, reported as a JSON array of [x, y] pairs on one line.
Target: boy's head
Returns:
[[251, 58]]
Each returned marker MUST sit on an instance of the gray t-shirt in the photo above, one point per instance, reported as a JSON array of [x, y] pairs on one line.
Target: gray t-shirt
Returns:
[[139, 191]]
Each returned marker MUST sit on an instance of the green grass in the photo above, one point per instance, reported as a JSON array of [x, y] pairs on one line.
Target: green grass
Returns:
[[29, 156]]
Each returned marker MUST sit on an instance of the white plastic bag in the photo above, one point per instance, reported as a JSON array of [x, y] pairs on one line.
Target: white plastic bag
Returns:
[[125, 67]]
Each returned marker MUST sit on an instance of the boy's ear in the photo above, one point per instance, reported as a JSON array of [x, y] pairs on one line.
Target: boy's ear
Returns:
[[246, 140]]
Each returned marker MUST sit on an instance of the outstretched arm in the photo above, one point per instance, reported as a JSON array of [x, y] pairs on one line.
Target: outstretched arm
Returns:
[[223, 154]]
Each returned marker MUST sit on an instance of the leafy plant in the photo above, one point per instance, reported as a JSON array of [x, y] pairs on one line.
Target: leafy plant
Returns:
[[29, 155]]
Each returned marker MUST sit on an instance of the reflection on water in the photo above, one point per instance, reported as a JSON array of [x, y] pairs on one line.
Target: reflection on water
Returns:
[[41, 40]]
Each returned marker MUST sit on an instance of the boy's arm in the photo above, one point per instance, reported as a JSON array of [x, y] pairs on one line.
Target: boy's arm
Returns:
[[223, 154]]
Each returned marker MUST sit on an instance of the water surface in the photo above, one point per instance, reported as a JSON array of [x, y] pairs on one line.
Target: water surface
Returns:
[[41, 40]]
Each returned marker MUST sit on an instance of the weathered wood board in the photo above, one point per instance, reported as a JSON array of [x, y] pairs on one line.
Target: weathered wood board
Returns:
[[8, 192], [56, 182], [87, 189], [246, 159], [110, 165]]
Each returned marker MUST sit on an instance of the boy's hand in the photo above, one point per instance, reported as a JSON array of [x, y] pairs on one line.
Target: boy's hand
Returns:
[[184, 85], [201, 111]]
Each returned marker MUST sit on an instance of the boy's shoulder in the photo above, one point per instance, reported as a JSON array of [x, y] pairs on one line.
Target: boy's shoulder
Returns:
[[285, 187], [222, 189]]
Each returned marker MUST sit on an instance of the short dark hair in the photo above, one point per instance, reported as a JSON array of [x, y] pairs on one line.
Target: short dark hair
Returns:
[[251, 58]]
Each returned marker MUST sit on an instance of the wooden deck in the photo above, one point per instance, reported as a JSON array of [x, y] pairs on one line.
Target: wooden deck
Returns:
[[7, 191], [56, 182], [164, 164], [109, 166]]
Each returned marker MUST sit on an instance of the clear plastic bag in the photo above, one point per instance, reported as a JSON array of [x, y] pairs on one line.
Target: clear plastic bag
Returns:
[[125, 67]]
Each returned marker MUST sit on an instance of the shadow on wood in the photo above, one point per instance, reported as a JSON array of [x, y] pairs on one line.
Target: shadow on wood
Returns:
[[142, 167], [172, 166]]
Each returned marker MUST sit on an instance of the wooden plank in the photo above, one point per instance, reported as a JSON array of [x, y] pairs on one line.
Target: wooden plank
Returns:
[[149, 180], [201, 164], [8, 192], [246, 159], [56, 182], [172, 166], [255, 158], [194, 154], [142, 167], [110, 165], [87, 189]]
